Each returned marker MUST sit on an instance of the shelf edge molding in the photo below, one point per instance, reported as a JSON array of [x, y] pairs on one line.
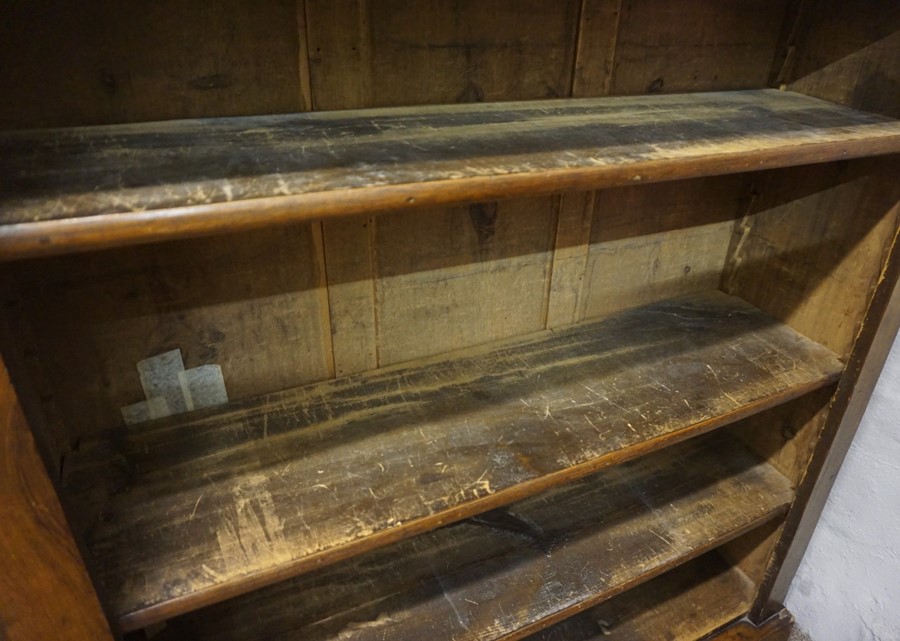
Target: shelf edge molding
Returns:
[[93, 187]]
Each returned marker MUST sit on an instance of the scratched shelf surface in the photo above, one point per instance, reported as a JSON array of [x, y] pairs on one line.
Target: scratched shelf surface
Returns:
[[515, 570], [69, 189], [684, 604], [183, 514]]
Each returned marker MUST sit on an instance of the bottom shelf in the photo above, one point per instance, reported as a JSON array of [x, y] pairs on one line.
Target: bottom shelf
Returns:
[[512, 572], [683, 604]]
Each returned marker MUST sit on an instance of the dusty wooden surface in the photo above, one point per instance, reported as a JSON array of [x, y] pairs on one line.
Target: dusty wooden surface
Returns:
[[184, 514], [257, 307], [46, 592], [158, 180], [515, 570], [683, 604]]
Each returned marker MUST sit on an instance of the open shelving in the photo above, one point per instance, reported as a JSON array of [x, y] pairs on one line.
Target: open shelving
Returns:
[[528, 320], [518, 569], [89, 187], [182, 514]]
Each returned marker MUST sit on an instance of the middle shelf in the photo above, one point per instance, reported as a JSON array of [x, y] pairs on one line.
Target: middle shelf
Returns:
[[179, 514]]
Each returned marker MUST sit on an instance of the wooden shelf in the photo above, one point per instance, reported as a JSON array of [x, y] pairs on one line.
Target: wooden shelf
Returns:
[[181, 514], [69, 189], [684, 604], [516, 570]]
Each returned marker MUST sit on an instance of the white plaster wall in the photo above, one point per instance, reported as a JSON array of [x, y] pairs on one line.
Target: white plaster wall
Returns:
[[848, 585]]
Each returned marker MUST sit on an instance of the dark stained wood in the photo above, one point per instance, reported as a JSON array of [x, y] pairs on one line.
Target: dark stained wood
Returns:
[[85, 188], [683, 604], [849, 53], [46, 592], [812, 245], [184, 514], [110, 61], [776, 628], [394, 52], [695, 45], [256, 305], [513, 571], [866, 358]]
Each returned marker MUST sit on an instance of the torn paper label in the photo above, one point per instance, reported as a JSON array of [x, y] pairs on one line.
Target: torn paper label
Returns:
[[159, 377], [148, 410], [203, 386]]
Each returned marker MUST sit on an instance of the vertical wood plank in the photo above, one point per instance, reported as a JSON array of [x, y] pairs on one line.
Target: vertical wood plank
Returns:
[[349, 265], [695, 45], [452, 52], [257, 307], [147, 61], [46, 590], [595, 57], [573, 235], [461, 276], [455, 277], [652, 242]]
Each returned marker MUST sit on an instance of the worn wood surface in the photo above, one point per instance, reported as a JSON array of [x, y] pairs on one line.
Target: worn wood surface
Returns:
[[126, 62], [683, 604], [849, 53], [695, 45], [391, 52], [516, 570], [130, 183], [461, 276], [46, 592], [257, 306], [811, 247], [652, 242], [180, 515], [776, 628]]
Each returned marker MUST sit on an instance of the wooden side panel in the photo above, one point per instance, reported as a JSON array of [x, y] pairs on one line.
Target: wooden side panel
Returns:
[[786, 435], [46, 593], [462, 276], [256, 306], [392, 52], [812, 251], [695, 45], [850, 53], [109, 61], [652, 242]]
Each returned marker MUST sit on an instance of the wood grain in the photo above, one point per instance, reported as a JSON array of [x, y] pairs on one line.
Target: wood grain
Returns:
[[683, 604], [850, 54], [182, 515], [46, 591], [134, 183], [812, 246], [111, 61], [652, 242], [255, 305], [456, 277], [512, 571], [391, 52], [696, 45]]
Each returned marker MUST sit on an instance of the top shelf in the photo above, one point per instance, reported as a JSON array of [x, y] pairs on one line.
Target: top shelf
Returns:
[[82, 188]]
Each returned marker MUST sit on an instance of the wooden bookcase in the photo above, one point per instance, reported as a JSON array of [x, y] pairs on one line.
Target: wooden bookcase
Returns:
[[538, 320]]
